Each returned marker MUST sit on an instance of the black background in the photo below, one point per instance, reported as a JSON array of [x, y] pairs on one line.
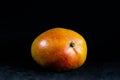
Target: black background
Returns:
[[21, 23]]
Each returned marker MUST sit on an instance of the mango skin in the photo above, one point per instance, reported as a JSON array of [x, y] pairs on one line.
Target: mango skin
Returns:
[[52, 49]]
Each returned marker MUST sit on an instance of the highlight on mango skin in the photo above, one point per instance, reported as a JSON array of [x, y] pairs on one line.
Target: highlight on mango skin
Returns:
[[59, 49]]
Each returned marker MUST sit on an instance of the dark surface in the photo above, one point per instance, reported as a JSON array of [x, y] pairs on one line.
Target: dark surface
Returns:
[[94, 71]]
